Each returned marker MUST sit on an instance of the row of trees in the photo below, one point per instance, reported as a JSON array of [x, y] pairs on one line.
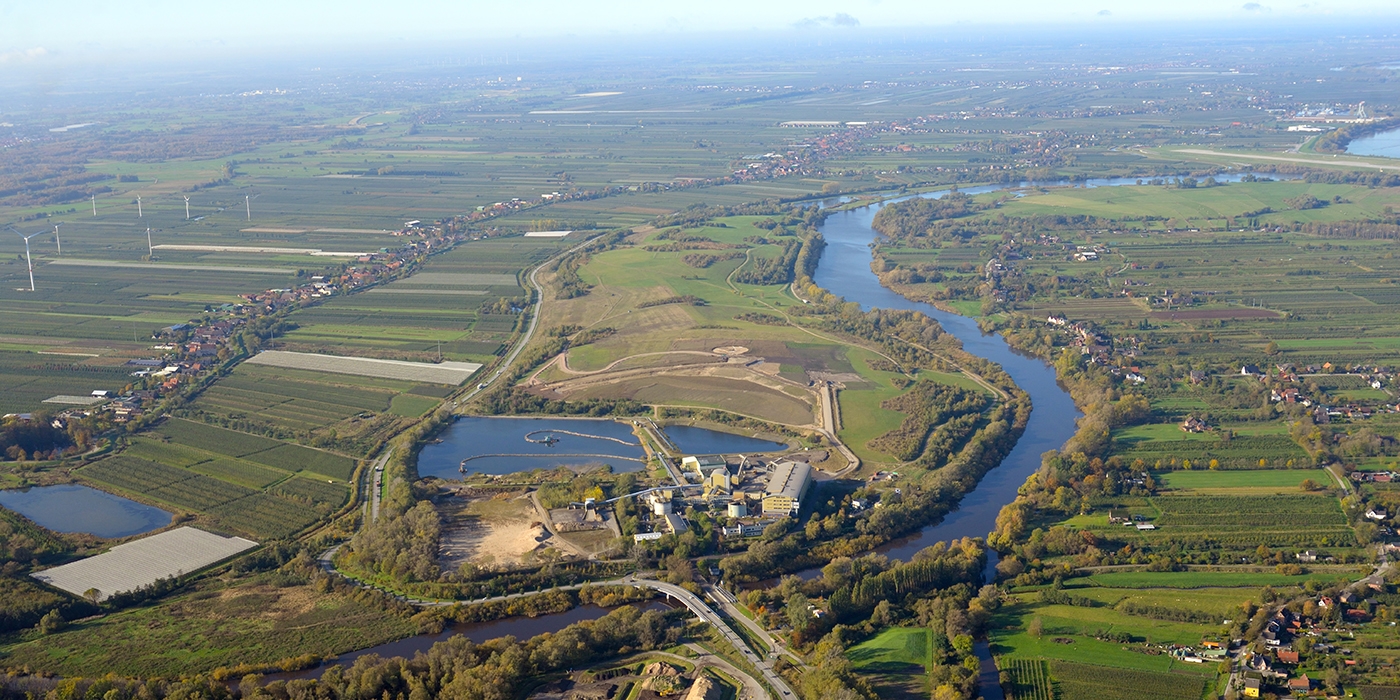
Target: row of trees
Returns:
[[456, 668]]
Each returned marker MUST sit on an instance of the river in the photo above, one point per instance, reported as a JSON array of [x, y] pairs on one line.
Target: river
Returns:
[[518, 627], [844, 270]]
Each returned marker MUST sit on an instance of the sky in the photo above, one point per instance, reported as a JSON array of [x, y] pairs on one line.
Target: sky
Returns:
[[34, 32]]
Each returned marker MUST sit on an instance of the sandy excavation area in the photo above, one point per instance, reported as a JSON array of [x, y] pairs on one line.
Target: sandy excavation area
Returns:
[[500, 531]]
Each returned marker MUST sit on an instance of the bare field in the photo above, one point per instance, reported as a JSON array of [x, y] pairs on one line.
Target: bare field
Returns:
[[1200, 314], [453, 373], [489, 532], [460, 279], [737, 395]]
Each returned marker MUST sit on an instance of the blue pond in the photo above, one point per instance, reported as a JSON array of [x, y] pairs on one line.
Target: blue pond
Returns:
[[500, 446], [699, 441], [1386, 143], [504, 445], [76, 508]]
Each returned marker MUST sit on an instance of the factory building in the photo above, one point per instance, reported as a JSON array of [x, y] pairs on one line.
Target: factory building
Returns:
[[786, 488]]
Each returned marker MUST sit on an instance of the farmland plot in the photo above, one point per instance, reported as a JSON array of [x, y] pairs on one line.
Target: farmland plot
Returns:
[[442, 373], [143, 562]]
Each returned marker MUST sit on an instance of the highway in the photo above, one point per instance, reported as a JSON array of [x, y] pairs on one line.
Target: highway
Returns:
[[691, 601], [729, 604], [376, 489], [708, 615]]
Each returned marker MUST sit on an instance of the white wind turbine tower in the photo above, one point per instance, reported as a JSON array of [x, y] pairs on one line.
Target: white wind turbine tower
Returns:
[[138, 208], [94, 205], [187, 208], [27, 259], [150, 249], [57, 239]]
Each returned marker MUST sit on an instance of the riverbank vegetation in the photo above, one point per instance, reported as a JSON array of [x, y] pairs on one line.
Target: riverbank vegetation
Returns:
[[1198, 347]]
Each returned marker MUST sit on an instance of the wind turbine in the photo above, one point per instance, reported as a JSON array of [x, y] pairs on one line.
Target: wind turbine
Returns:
[[27, 259], [150, 249], [138, 208], [248, 203], [57, 239], [187, 208], [94, 205]]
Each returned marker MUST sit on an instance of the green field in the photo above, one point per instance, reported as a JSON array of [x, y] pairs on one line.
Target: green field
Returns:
[[1079, 625], [1074, 680], [1224, 602], [437, 310], [895, 661], [1279, 479], [672, 338], [232, 481], [213, 626], [1209, 579], [897, 650]]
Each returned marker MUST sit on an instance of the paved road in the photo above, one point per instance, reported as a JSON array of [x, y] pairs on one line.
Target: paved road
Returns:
[[728, 603], [654, 431], [829, 427], [1314, 161], [549, 525], [752, 690], [708, 615], [529, 331], [376, 489]]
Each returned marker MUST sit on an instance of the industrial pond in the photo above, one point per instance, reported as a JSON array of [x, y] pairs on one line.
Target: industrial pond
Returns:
[[77, 508], [505, 445]]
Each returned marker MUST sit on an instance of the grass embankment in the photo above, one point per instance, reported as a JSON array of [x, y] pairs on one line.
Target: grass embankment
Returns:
[[251, 623]]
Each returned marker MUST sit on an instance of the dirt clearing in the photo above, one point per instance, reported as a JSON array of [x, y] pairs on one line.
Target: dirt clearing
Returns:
[[500, 531]]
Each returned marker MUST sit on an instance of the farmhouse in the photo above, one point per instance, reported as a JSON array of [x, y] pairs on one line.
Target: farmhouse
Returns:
[[787, 486], [1193, 424]]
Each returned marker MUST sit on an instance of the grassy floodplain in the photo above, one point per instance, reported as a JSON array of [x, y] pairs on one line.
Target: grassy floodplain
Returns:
[[256, 622], [661, 353]]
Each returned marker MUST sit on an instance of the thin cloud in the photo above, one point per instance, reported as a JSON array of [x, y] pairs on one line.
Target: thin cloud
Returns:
[[840, 19], [24, 56]]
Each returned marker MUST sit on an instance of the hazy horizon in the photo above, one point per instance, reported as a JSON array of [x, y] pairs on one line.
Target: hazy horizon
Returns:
[[82, 32]]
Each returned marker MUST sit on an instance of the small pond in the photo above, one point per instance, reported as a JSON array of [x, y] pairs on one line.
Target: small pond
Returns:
[[78, 508]]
